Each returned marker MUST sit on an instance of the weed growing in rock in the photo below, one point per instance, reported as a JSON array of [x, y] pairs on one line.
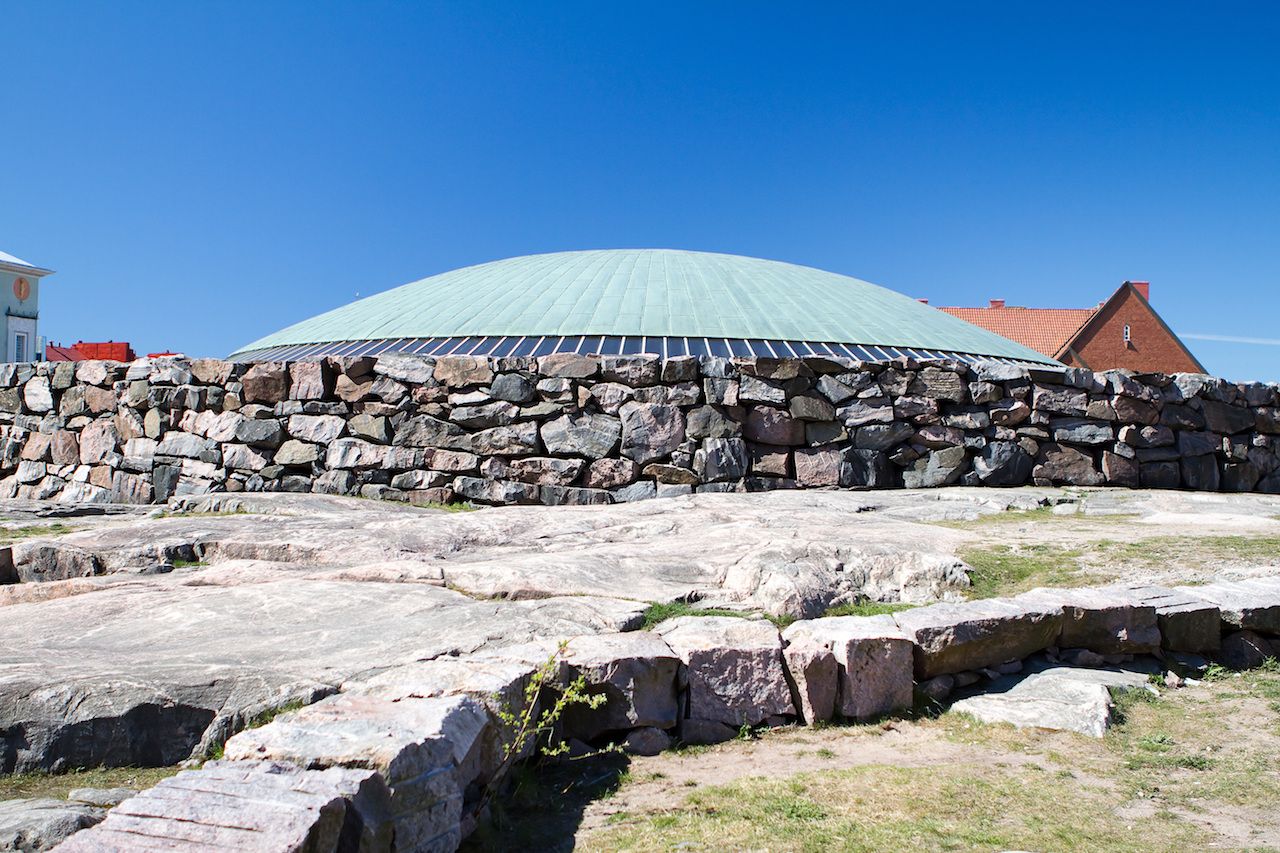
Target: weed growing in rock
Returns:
[[531, 727]]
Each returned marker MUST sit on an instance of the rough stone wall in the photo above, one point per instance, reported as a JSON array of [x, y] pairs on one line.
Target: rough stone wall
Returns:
[[573, 429]]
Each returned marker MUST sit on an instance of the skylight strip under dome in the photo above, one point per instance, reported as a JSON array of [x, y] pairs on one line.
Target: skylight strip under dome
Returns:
[[534, 345]]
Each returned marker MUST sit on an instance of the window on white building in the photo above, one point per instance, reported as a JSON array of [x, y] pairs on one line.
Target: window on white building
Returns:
[[19, 347]]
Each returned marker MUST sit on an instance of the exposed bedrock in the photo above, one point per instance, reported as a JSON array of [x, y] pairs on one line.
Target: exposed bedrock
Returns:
[[401, 758]]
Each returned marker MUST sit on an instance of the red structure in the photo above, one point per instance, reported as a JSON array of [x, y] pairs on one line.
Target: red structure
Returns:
[[1122, 332], [84, 351]]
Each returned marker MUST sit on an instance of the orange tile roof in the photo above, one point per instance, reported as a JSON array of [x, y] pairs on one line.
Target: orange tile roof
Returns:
[[1045, 330]]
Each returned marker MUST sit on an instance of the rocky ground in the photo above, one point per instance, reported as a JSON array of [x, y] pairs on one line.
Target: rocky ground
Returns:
[[147, 637]]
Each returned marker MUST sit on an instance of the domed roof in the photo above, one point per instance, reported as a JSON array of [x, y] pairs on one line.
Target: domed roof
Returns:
[[591, 297]]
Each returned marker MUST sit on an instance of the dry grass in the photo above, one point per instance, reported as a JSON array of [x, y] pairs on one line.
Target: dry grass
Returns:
[[58, 785], [13, 534]]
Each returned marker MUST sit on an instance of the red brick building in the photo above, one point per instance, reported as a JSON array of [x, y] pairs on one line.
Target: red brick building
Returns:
[[1124, 331], [85, 351]]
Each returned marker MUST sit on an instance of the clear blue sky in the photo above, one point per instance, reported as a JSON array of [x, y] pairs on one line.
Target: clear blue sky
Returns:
[[200, 174]]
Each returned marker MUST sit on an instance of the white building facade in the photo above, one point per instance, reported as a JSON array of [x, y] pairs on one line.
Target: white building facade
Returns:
[[20, 296]]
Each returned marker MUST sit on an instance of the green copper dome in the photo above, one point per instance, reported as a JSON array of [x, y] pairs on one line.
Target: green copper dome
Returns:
[[637, 300]]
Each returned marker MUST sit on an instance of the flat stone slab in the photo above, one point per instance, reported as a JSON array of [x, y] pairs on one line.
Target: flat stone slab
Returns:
[[1060, 698], [41, 824], [952, 638], [426, 750], [1107, 620], [734, 666], [873, 662], [1249, 605], [247, 806]]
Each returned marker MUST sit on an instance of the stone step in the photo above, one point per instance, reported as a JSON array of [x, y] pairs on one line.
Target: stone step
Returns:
[[248, 805], [1248, 605]]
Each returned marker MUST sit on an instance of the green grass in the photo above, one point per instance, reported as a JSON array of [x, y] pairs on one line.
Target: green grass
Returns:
[[1005, 570], [1161, 551], [661, 612], [869, 608], [58, 785], [1011, 516], [453, 507], [187, 564], [257, 721], [13, 534]]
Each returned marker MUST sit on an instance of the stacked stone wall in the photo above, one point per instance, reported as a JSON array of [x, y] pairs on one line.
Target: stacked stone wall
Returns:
[[580, 430]]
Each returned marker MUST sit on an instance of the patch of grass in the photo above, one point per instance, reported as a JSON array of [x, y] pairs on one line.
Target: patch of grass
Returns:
[[453, 507], [1010, 516], [1163, 550], [868, 608], [58, 785], [261, 718], [257, 721], [878, 807], [187, 564], [1005, 570], [661, 612], [1125, 700], [13, 534], [1183, 750]]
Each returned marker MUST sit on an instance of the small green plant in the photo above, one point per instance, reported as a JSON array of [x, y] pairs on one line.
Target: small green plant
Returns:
[[825, 753], [533, 726], [529, 726], [187, 564], [1216, 672]]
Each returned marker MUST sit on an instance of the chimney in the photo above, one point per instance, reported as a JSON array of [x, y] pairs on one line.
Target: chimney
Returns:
[[922, 301], [996, 303], [1143, 287]]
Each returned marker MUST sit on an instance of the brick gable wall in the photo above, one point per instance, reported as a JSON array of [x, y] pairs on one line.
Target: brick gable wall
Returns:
[[1152, 347]]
